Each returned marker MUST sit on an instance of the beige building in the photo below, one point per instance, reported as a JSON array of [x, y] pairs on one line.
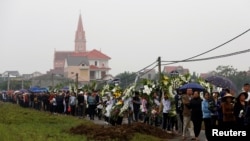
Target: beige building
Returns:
[[77, 65]]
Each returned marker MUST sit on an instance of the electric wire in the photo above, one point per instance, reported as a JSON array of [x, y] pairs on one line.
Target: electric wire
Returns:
[[213, 48], [143, 73], [213, 57]]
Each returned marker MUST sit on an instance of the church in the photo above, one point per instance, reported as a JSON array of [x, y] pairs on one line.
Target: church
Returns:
[[87, 64]]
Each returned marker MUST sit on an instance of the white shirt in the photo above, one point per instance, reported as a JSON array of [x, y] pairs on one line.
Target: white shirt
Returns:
[[156, 101], [54, 101], [166, 105]]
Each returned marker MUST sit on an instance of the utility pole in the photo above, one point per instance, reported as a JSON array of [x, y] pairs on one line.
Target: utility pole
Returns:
[[159, 75], [8, 84], [159, 69], [76, 83], [52, 79], [76, 109], [22, 83]]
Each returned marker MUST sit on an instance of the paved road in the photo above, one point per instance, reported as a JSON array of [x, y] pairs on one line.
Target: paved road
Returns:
[[125, 121]]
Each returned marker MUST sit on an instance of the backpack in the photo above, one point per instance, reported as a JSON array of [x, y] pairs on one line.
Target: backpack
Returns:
[[91, 100]]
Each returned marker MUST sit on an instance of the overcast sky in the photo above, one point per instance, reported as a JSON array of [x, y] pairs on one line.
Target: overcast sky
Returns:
[[132, 32]]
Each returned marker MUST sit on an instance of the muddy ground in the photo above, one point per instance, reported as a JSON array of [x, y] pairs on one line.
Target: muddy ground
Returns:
[[122, 132]]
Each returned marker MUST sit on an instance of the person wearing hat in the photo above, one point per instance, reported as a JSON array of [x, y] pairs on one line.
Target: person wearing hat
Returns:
[[228, 111], [80, 99], [240, 109]]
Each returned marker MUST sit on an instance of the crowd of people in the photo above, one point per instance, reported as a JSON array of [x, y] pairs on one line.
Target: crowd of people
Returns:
[[216, 110]]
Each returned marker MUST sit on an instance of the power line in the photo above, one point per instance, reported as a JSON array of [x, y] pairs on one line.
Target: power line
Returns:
[[132, 75], [213, 57], [212, 48], [148, 70], [146, 67]]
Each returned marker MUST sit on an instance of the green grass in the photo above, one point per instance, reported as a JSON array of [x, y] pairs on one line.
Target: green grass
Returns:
[[21, 124], [24, 124]]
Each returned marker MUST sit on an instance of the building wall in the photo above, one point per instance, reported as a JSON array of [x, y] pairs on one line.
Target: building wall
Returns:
[[59, 64], [149, 75], [84, 75], [100, 63], [83, 72], [104, 63]]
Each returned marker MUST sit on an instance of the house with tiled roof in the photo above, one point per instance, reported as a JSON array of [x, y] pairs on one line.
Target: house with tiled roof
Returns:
[[11, 74], [179, 69], [98, 62], [148, 74]]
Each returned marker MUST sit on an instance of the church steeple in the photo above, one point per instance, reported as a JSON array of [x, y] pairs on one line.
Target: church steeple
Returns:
[[80, 40]]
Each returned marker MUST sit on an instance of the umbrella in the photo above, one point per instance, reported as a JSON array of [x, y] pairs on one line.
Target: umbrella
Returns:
[[15, 92], [193, 86], [23, 90], [221, 82]]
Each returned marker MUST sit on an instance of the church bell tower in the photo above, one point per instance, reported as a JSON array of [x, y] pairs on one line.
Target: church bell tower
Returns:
[[80, 39]]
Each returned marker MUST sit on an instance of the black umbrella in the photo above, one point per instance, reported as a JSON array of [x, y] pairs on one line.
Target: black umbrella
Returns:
[[221, 82], [193, 86]]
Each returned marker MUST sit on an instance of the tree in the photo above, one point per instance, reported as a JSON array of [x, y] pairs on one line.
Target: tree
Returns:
[[126, 78], [226, 71], [15, 85], [237, 77]]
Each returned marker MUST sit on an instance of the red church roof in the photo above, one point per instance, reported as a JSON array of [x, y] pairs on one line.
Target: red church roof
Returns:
[[93, 54], [61, 55]]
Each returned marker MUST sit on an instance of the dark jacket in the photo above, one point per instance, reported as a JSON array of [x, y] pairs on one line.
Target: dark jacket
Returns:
[[80, 99], [136, 103], [237, 109], [195, 106]]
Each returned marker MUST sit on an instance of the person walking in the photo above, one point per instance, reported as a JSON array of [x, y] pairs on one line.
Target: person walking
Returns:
[[136, 106], [196, 113], [92, 105], [81, 101], [179, 111], [186, 112], [72, 104], [206, 114], [166, 106], [228, 112], [240, 109]]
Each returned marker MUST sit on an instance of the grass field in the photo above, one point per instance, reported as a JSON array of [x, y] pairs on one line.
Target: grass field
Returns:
[[22, 124]]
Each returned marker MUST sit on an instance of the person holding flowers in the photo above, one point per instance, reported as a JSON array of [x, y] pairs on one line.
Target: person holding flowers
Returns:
[[166, 106], [144, 109], [136, 106]]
